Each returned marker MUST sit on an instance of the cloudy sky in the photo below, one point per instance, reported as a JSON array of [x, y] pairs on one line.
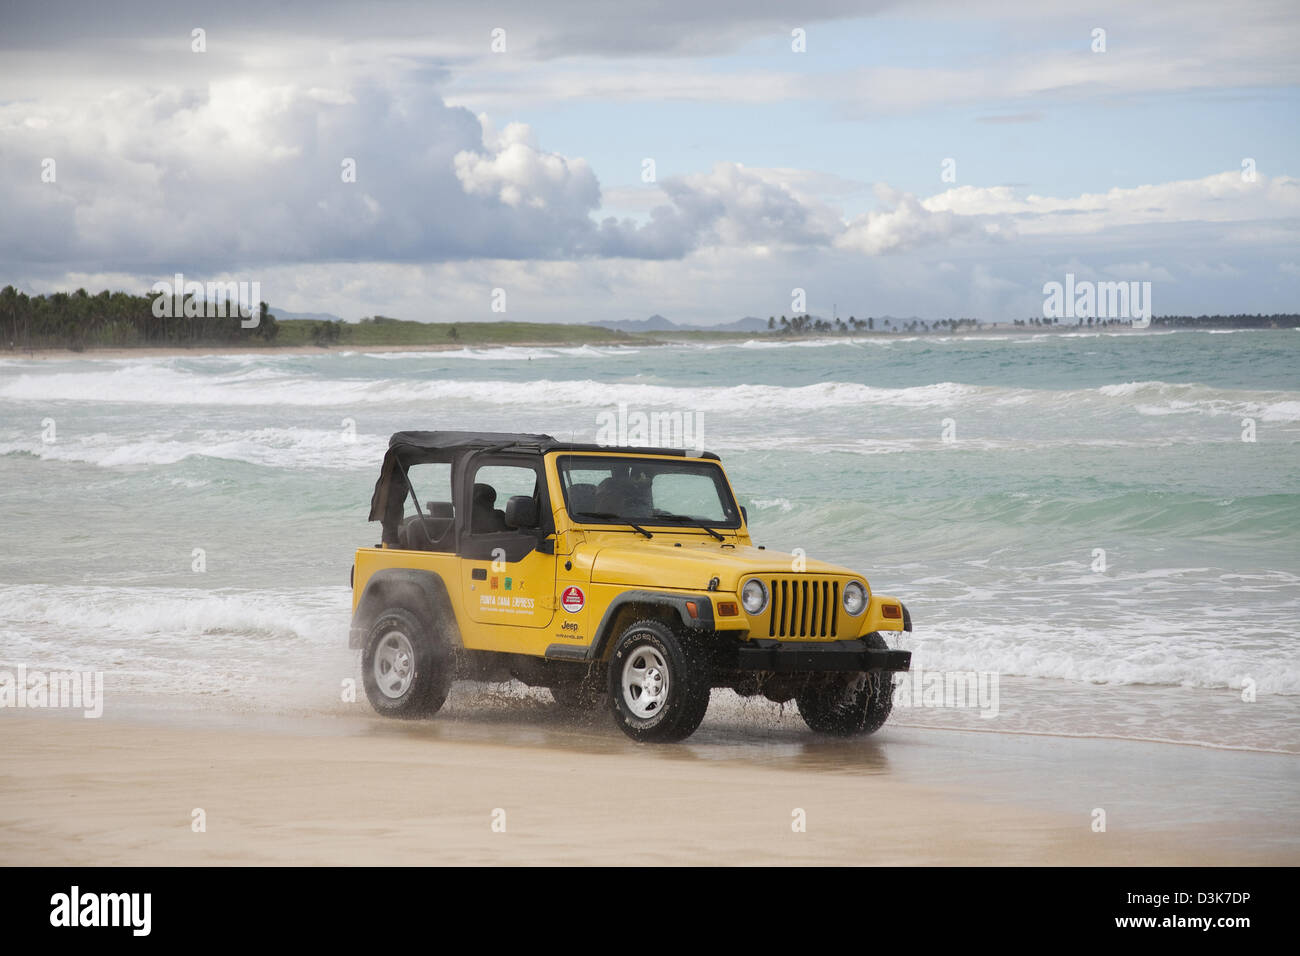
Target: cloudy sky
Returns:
[[699, 159]]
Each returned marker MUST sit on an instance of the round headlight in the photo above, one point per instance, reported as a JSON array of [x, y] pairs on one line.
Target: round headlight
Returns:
[[855, 598], [753, 596]]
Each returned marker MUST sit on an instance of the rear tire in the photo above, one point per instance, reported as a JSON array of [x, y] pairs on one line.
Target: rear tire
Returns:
[[659, 683], [849, 705], [406, 667]]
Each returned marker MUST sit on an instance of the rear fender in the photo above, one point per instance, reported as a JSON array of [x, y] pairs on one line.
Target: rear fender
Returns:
[[423, 592]]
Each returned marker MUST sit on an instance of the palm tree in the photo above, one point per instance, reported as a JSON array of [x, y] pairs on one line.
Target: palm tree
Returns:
[[9, 310]]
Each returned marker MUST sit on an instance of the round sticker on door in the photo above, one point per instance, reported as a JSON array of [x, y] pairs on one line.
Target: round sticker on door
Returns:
[[573, 599]]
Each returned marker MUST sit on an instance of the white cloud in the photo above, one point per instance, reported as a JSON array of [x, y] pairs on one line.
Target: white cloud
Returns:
[[733, 205], [1221, 197], [246, 174], [512, 168], [904, 223]]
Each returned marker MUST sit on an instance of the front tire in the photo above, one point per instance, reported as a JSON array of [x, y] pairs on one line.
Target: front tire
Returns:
[[406, 667], [849, 705], [659, 683]]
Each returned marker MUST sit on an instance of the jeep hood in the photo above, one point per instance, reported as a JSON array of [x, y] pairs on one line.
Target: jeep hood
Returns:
[[689, 567]]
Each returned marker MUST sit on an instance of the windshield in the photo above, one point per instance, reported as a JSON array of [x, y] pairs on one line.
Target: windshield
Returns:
[[658, 491]]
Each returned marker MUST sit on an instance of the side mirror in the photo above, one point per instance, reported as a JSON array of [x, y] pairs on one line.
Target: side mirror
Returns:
[[521, 512], [744, 515]]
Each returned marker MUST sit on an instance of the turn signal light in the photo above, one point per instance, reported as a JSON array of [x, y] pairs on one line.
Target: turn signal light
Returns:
[[728, 609], [692, 609], [891, 611]]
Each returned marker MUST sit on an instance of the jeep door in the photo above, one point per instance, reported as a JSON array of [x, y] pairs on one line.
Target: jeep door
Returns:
[[507, 574]]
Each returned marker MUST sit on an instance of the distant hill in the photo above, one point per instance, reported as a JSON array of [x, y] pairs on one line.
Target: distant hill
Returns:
[[656, 323], [315, 316], [748, 324]]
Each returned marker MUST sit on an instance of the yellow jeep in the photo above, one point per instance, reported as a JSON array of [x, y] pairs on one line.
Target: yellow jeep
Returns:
[[597, 571]]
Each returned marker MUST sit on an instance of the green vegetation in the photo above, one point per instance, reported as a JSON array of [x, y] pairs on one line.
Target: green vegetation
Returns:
[[381, 330], [78, 321], [1242, 321], [807, 325]]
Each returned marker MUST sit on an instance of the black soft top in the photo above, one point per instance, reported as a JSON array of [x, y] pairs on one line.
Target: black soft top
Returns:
[[417, 448], [415, 444]]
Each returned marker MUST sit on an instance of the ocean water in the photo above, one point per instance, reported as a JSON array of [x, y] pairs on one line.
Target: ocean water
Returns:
[[1066, 451]]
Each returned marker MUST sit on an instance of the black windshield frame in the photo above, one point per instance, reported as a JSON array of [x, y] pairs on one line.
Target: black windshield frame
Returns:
[[658, 466]]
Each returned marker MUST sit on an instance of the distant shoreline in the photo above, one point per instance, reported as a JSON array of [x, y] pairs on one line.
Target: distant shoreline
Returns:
[[645, 340], [200, 351], [119, 325]]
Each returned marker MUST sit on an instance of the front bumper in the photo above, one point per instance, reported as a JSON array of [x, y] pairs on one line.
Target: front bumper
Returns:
[[785, 657]]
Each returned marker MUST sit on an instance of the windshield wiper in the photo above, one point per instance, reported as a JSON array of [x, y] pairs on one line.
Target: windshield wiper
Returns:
[[668, 516], [618, 518]]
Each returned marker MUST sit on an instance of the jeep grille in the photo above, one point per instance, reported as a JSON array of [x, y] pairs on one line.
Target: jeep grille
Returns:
[[804, 607]]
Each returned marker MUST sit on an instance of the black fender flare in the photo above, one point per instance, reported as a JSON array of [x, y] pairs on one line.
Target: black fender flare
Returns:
[[423, 592], [676, 602]]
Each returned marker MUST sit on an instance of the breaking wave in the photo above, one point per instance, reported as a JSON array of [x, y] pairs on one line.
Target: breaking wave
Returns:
[[154, 384]]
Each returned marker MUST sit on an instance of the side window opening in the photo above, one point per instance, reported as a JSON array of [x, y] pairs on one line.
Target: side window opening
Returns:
[[493, 487], [433, 528]]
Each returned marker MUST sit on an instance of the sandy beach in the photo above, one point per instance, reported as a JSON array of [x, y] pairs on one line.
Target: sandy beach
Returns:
[[366, 791]]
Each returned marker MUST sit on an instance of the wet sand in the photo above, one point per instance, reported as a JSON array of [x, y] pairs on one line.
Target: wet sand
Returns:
[[361, 790]]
